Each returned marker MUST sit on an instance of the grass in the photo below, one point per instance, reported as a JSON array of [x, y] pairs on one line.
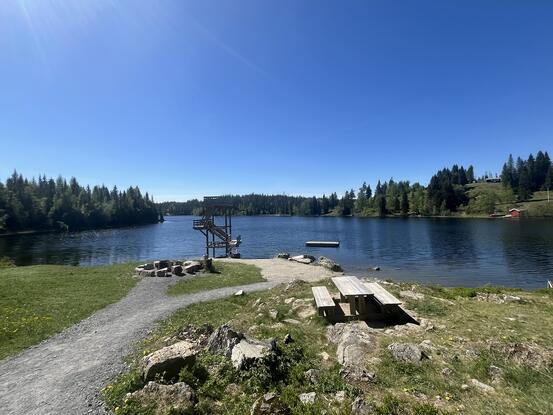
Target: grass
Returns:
[[225, 275], [462, 329], [39, 301]]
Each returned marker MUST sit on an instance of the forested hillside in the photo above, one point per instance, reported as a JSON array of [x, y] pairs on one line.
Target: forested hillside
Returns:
[[47, 204], [451, 191]]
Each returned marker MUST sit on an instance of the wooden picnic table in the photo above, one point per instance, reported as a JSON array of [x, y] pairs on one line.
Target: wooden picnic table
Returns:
[[354, 292]]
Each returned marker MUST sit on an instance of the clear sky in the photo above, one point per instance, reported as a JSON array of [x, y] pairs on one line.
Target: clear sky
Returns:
[[186, 98]]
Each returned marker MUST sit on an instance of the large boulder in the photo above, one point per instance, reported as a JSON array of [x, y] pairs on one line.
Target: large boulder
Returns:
[[191, 267], [247, 352], [354, 343], [176, 270], [283, 255], [223, 340], [164, 263], [330, 264], [407, 353], [163, 272], [175, 398], [168, 361]]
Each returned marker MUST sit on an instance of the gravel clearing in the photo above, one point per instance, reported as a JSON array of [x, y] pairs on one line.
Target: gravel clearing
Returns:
[[64, 374]]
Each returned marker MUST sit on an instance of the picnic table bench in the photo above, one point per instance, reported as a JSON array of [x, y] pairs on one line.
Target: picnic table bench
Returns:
[[382, 295], [324, 301]]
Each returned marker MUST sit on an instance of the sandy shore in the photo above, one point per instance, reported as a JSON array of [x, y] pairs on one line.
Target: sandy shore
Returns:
[[282, 270]]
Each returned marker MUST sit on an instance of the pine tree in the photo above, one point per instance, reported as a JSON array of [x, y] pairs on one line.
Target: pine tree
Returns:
[[470, 174], [381, 205], [404, 203]]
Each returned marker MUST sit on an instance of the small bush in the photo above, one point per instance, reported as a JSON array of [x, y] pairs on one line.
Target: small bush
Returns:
[[6, 262]]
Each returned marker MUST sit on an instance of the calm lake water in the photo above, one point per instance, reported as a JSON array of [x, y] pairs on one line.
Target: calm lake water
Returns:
[[465, 252]]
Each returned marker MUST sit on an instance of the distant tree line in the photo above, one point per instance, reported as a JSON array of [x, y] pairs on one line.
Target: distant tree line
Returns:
[[449, 190], [48, 204], [527, 176], [260, 204]]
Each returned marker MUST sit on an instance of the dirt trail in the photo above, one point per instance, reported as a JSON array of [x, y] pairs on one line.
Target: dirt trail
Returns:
[[64, 374]]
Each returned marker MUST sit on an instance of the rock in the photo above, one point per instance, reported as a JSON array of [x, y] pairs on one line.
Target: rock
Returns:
[[354, 343], [148, 273], [177, 262], [324, 355], [162, 272], [529, 354], [360, 407], [407, 353], [198, 335], [497, 298], [496, 374], [239, 293], [307, 398], [340, 396], [223, 340], [176, 270], [168, 361], [427, 346], [375, 268], [283, 255], [482, 386], [247, 352], [269, 404], [148, 266], [273, 314], [288, 339], [330, 264], [357, 374], [164, 263], [191, 267], [291, 321], [464, 387], [289, 300], [296, 283], [447, 371], [175, 398], [303, 259], [313, 375]]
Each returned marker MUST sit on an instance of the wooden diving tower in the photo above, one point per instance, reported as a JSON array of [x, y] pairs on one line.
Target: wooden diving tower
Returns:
[[218, 236]]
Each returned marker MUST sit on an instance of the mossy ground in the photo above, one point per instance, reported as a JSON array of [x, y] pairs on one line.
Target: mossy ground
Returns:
[[460, 329], [224, 274], [39, 301]]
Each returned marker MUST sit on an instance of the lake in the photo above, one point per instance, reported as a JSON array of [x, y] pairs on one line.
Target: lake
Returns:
[[466, 252]]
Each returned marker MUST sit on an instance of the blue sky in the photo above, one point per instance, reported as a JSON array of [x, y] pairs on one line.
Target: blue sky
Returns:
[[186, 98]]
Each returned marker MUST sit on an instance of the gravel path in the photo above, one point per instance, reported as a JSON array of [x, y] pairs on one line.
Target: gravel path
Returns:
[[63, 375]]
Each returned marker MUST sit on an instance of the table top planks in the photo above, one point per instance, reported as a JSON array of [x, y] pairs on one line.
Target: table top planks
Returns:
[[382, 295], [322, 297], [351, 286]]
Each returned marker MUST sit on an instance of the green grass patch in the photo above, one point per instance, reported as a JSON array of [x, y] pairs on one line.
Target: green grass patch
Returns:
[[39, 301], [225, 274]]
